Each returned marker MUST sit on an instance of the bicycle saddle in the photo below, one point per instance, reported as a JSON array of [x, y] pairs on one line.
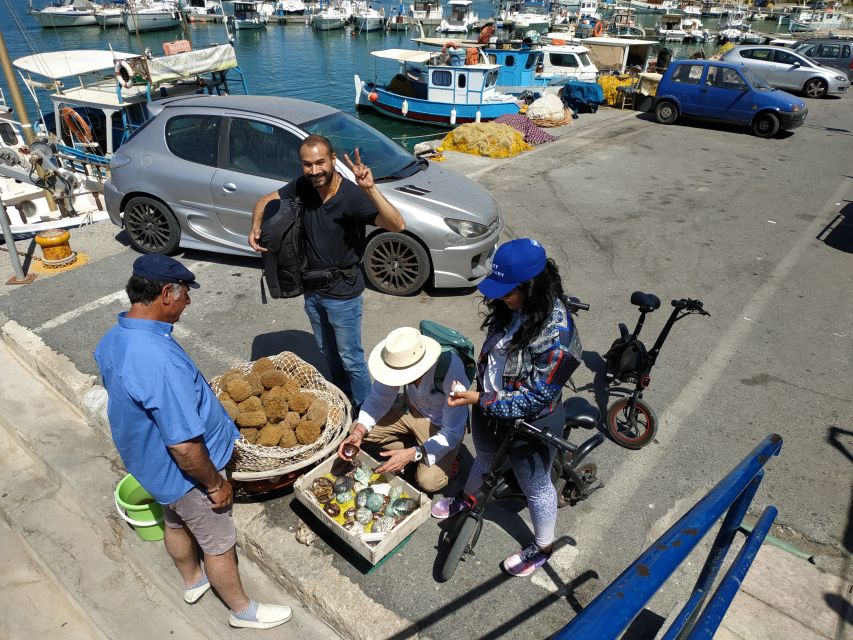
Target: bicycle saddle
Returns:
[[580, 413], [646, 301]]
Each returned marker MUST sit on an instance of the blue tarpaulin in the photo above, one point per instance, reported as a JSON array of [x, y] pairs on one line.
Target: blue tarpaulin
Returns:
[[582, 96]]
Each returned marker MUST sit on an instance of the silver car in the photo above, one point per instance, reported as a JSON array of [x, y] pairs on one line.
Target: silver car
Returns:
[[190, 176], [786, 69]]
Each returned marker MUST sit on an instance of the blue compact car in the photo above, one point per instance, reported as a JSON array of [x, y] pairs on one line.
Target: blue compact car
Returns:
[[726, 92]]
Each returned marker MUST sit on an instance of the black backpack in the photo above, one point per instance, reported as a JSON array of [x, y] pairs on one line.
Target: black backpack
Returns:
[[284, 261]]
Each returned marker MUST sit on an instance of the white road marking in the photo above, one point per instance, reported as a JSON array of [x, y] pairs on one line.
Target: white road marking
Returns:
[[637, 471], [561, 562], [215, 352], [117, 296]]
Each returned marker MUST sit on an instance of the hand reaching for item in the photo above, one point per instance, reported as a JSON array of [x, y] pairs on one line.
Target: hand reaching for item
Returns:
[[396, 460]]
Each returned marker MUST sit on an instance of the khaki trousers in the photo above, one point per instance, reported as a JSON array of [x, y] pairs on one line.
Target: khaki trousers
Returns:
[[399, 429]]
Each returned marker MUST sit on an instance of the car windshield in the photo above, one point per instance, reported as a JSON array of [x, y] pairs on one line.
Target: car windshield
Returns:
[[386, 159], [754, 79]]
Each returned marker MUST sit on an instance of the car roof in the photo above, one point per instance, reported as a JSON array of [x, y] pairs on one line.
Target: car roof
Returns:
[[290, 109], [719, 63], [741, 47]]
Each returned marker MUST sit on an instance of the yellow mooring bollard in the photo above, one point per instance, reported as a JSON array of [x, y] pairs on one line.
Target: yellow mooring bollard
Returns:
[[56, 248]]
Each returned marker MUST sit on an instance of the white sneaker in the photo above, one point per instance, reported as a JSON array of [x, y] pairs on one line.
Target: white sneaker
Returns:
[[267, 617], [192, 596]]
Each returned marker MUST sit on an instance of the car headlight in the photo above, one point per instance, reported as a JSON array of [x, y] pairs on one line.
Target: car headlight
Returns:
[[841, 78], [795, 108], [466, 228], [119, 160]]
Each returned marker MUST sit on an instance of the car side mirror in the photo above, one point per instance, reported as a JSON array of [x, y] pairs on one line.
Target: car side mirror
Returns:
[[796, 65]]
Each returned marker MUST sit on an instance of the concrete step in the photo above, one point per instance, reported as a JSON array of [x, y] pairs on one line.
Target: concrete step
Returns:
[[58, 478]]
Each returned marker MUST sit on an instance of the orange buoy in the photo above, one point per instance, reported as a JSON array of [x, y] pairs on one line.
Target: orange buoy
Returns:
[[599, 29], [373, 96]]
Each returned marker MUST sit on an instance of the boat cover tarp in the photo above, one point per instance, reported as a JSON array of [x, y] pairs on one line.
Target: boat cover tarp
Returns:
[[582, 96], [182, 66], [403, 55]]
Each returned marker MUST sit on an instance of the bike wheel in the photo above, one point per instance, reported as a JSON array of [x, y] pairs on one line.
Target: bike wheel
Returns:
[[631, 432], [461, 544]]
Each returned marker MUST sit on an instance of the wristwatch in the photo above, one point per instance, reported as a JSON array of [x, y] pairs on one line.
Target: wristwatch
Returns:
[[419, 453]]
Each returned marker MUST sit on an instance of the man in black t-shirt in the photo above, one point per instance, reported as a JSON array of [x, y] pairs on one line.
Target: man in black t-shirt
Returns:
[[336, 214]]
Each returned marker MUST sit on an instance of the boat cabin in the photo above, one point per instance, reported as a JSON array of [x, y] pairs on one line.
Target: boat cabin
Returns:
[[461, 12], [426, 10], [568, 61], [617, 54], [247, 11]]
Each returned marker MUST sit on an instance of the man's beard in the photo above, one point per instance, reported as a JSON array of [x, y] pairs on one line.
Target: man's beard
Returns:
[[322, 180]]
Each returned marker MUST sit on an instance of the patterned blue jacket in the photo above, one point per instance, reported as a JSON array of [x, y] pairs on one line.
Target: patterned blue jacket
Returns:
[[534, 376]]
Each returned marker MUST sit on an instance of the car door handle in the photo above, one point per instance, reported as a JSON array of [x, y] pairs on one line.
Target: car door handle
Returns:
[[229, 187]]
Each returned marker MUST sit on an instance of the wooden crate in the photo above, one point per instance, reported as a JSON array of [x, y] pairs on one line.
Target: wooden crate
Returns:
[[372, 552]]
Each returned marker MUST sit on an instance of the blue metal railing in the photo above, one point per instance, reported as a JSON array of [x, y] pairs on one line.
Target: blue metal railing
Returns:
[[613, 610]]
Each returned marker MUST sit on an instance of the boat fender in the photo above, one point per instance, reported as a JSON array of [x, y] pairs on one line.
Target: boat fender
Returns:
[[477, 116], [453, 116], [599, 29], [124, 74], [373, 96], [77, 127], [405, 109]]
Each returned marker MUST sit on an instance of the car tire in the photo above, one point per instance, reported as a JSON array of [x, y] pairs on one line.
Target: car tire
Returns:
[[765, 125], [151, 226], [815, 88], [666, 112], [396, 264]]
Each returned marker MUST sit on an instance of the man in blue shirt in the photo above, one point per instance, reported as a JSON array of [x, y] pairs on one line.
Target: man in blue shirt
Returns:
[[174, 436]]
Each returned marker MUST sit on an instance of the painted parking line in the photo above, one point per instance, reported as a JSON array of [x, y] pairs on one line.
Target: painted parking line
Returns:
[[220, 355]]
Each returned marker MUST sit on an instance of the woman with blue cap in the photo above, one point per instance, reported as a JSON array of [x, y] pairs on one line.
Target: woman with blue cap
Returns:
[[531, 349]]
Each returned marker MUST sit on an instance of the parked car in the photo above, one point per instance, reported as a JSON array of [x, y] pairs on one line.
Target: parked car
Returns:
[[191, 175], [830, 52], [786, 69], [726, 92]]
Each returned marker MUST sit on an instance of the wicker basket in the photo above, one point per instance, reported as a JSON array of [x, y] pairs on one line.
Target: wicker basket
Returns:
[[252, 461]]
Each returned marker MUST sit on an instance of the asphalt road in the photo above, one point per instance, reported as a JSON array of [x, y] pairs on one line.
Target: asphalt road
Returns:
[[755, 228]]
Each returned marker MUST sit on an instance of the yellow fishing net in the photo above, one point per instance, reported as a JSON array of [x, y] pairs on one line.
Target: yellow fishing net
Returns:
[[487, 139], [608, 85]]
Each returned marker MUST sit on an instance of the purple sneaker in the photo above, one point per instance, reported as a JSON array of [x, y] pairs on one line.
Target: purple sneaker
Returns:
[[525, 561], [448, 506]]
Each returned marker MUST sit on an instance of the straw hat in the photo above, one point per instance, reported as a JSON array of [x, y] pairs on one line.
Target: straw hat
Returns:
[[403, 357]]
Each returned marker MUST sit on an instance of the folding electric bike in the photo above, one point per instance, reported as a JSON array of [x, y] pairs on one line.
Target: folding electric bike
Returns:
[[631, 421]]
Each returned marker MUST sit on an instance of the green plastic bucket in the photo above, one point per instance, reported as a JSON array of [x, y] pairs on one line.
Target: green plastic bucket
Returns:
[[139, 509]]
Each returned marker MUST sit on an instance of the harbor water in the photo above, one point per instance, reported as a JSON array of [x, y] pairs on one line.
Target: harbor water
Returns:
[[290, 60]]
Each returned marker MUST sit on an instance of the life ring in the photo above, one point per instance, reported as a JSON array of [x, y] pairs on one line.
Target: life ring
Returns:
[[77, 127], [599, 29], [124, 74], [485, 34]]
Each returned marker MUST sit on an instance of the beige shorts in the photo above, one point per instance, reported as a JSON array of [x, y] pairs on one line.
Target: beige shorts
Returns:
[[213, 530]]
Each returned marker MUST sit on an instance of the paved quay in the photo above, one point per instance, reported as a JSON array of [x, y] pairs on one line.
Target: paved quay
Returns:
[[622, 204]]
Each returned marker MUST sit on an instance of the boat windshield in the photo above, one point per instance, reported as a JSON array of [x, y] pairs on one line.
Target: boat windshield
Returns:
[[386, 159], [754, 79]]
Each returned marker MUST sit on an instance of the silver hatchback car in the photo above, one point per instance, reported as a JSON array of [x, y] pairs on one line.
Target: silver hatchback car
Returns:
[[783, 68], [190, 176]]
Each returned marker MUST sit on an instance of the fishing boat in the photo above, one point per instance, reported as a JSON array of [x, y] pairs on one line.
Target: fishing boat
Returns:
[[461, 18], [695, 32], [201, 9], [399, 20], [565, 60], [109, 15], [67, 13], [588, 10], [247, 15], [735, 19], [332, 17], [669, 28], [151, 15], [433, 88], [527, 16], [369, 16], [426, 10], [289, 8]]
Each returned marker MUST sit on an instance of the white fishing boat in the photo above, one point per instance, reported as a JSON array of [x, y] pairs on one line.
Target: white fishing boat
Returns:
[[527, 16], [290, 8], [68, 13], [461, 18], [194, 9], [695, 32], [735, 19], [399, 20], [588, 10], [151, 16], [332, 17], [567, 60], [426, 10], [369, 16], [247, 15], [669, 28], [108, 15]]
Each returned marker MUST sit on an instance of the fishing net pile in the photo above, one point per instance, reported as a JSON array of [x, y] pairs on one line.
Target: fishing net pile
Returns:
[[549, 111], [488, 139], [608, 85]]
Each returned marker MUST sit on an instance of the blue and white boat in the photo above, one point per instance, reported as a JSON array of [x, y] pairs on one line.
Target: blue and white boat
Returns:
[[436, 88]]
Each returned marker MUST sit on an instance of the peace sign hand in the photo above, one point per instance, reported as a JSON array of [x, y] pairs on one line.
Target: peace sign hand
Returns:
[[363, 175]]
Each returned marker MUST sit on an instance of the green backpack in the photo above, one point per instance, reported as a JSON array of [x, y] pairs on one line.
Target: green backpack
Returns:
[[451, 341]]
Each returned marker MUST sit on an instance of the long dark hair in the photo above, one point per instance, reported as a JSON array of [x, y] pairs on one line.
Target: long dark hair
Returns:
[[540, 294]]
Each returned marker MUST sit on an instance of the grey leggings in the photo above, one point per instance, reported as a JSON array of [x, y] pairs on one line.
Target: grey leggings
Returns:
[[531, 462]]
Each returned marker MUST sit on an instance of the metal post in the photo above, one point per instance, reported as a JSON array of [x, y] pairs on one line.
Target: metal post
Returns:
[[19, 277]]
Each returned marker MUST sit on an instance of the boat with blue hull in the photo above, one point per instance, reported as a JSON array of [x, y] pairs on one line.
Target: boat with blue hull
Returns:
[[432, 89]]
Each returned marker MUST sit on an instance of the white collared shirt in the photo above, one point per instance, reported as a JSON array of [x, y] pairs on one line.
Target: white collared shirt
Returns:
[[450, 420], [496, 358]]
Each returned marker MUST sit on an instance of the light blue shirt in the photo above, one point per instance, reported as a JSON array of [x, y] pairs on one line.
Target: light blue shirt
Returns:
[[159, 398], [430, 404]]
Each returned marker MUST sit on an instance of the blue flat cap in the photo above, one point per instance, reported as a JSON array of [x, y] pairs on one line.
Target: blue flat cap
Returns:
[[162, 268]]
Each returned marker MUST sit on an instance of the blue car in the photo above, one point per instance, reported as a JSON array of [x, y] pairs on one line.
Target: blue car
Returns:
[[726, 92]]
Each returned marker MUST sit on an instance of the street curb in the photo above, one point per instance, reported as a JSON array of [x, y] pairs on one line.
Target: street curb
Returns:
[[307, 575]]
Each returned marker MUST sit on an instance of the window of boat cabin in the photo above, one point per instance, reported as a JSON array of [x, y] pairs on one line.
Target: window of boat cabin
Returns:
[[532, 59], [194, 138], [442, 78], [7, 133], [461, 80], [688, 73], [262, 149], [563, 60], [510, 61], [491, 79]]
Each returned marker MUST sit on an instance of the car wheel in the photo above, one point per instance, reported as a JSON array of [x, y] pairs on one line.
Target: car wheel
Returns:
[[765, 125], [815, 88], [666, 112], [395, 263], [151, 226]]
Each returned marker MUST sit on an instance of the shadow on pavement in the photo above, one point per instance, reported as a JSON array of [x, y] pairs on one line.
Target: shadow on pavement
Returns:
[[838, 234], [299, 342]]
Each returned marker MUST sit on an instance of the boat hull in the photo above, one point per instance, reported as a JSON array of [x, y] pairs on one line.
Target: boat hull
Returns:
[[109, 19], [151, 21], [64, 19], [246, 25], [368, 24], [328, 24]]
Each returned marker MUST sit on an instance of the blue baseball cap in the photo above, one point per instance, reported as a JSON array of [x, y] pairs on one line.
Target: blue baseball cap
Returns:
[[515, 262], [162, 268]]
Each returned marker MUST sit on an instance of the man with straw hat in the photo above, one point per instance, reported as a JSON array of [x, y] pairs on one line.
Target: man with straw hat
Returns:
[[422, 428]]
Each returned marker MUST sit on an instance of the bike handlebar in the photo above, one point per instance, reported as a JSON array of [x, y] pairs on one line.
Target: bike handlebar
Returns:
[[574, 304], [690, 305]]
